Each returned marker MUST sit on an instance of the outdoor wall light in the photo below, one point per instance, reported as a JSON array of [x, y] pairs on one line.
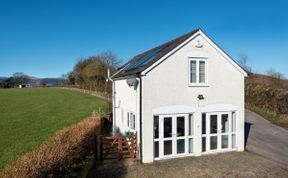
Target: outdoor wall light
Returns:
[[200, 97]]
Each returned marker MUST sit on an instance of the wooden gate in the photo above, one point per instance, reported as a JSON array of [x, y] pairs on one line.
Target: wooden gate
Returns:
[[124, 147]]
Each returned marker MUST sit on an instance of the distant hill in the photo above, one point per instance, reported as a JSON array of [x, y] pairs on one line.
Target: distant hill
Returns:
[[36, 82], [2, 79], [52, 81]]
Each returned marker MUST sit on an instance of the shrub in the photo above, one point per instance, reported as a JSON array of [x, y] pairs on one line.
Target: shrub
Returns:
[[57, 155], [274, 100]]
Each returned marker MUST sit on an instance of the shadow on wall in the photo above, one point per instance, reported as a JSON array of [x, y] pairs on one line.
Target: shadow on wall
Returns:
[[247, 131]]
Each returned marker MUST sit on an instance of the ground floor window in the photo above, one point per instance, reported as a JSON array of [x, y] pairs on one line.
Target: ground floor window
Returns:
[[131, 120]]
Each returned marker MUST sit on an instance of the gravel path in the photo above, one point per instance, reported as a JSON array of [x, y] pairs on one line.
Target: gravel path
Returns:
[[233, 164], [266, 139], [267, 156]]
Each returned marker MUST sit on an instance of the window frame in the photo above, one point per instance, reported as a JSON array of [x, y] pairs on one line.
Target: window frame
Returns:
[[128, 118], [197, 83], [131, 120]]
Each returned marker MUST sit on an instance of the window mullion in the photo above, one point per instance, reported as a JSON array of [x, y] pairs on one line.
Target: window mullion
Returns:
[[197, 71]]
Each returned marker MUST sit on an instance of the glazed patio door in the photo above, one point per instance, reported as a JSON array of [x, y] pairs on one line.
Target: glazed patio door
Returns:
[[168, 135], [213, 132], [172, 139], [217, 136]]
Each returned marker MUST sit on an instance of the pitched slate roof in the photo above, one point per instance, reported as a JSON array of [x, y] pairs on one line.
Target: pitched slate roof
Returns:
[[142, 61]]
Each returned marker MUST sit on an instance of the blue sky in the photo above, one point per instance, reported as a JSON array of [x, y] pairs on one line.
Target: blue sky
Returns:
[[46, 38]]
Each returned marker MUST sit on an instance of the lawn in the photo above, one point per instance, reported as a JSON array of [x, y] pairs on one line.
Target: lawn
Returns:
[[30, 116]]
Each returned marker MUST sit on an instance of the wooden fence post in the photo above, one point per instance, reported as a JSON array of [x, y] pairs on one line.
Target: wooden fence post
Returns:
[[101, 148], [96, 156], [136, 144], [132, 144], [120, 149]]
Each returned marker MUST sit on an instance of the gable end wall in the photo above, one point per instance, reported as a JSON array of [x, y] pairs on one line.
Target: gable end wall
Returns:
[[167, 84]]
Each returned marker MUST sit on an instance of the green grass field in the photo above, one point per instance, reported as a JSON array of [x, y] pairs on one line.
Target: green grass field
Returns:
[[30, 116]]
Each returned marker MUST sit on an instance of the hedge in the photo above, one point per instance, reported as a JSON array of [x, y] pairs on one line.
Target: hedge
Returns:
[[57, 155], [274, 100]]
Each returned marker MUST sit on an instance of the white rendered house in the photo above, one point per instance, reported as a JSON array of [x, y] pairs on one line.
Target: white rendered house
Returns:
[[184, 98]]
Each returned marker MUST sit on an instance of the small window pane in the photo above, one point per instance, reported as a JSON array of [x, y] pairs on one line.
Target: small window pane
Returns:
[[193, 71], [180, 146], [202, 72], [156, 149], [203, 144], [156, 126], [191, 146], [233, 142], [131, 120], [203, 124], [180, 126], [167, 127], [128, 121], [134, 121], [191, 125], [224, 123], [233, 123], [213, 142], [213, 124], [168, 147], [224, 141]]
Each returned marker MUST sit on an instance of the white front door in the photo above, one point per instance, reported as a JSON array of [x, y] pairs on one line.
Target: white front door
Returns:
[[218, 132], [173, 135]]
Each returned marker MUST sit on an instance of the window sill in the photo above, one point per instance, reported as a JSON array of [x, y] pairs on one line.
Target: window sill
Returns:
[[198, 85], [130, 129]]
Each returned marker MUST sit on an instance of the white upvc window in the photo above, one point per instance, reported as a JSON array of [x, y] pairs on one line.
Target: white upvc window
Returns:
[[131, 120], [198, 72]]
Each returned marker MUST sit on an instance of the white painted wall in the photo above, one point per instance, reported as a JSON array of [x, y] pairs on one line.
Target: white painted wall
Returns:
[[167, 84], [126, 100]]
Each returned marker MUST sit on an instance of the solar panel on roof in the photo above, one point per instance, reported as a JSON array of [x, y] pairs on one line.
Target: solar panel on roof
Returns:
[[145, 59]]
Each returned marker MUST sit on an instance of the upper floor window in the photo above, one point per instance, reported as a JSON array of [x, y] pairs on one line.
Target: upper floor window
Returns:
[[198, 72]]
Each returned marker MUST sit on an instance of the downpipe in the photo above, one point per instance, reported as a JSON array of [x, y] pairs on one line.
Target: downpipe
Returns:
[[140, 118], [113, 102]]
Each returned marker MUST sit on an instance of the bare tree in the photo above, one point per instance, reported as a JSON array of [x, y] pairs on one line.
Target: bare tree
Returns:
[[276, 77], [243, 60], [110, 59], [91, 73], [275, 74], [19, 78]]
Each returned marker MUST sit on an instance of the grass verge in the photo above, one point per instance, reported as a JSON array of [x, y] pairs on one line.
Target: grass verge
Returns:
[[275, 119]]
